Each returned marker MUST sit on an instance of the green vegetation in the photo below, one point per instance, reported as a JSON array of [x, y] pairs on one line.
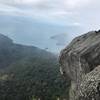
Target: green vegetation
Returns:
[[29, 73]]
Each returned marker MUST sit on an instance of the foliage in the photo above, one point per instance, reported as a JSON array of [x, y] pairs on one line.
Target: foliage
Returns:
[[29, 73]]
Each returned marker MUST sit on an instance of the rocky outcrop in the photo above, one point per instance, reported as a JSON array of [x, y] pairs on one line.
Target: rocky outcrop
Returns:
[[90, 86], [80, 61]]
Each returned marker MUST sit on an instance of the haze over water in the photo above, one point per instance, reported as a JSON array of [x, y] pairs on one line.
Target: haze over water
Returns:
[[48, 24]]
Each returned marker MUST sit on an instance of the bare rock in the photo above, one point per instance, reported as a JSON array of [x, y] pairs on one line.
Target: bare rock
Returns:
[[78, 60], [90, 86]]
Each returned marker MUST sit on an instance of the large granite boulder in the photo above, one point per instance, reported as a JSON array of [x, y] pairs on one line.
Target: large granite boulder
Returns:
[[80, 61]]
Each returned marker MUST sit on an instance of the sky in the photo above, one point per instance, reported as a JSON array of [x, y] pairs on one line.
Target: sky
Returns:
[[84, 14]]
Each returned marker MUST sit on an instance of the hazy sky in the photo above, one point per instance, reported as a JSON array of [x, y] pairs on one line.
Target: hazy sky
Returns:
[[84, 13], [72, 17]]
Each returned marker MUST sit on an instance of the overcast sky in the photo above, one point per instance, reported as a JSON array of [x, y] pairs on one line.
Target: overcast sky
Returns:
[[83, 13]]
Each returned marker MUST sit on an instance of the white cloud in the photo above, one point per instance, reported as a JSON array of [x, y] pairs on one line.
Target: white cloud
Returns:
[[73, 4], [30, 1], [72, 12], [8, 9]]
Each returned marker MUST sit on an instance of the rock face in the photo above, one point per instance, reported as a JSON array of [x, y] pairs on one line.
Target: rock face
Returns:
[[80, 61]]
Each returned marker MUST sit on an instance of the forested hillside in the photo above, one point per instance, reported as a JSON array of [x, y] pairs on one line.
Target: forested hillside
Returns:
[[29, 73]]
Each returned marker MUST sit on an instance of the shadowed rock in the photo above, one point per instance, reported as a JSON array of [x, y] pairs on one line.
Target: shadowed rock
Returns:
[[78, 60]]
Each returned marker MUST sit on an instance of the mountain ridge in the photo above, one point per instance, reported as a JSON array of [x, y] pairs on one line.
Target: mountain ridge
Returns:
[[17, 51]]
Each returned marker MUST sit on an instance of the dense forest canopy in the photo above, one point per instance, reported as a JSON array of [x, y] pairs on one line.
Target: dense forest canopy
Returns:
[[28, 73]]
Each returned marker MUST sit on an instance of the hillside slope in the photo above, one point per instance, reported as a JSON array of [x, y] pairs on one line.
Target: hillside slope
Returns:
[[28, 72], [11, 52]]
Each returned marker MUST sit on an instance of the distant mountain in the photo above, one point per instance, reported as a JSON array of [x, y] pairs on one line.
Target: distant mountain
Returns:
[[11, 52], [27, 73]]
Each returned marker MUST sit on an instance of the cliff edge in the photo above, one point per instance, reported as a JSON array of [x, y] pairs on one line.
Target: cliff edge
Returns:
[[80, 61]]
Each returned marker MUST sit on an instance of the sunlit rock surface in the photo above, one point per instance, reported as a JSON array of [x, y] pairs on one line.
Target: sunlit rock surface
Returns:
[[80, 61]]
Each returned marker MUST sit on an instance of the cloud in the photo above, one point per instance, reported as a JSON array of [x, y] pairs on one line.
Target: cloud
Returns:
[[72, 12], [63, 5], [74, 4], [6, 8]]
